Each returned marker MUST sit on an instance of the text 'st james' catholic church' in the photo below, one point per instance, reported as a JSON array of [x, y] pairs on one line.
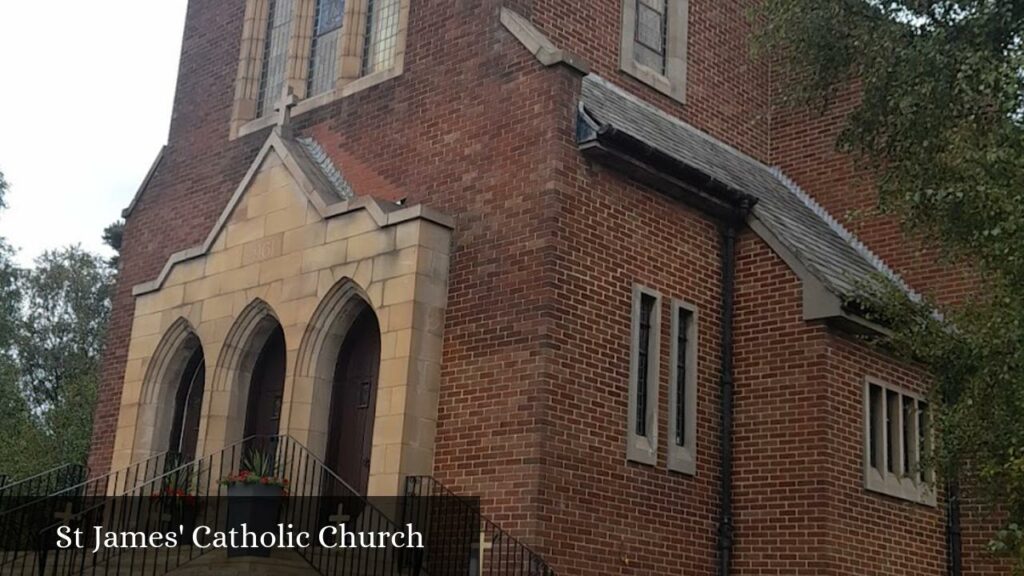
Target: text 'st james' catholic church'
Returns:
[[565, 256]]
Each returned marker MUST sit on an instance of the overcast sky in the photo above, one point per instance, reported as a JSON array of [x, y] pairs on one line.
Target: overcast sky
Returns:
[[85, 103]]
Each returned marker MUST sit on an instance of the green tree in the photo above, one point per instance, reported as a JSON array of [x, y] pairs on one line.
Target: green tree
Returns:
[[52, 322], [940, 124], [113, 236], [19, 431], [66, 303]]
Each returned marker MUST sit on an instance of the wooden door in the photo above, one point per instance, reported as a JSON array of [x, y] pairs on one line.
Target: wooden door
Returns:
[[266, 390], [353, 403], [188, 408]]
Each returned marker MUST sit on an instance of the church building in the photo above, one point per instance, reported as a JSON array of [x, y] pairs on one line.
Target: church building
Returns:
[[569, 257]]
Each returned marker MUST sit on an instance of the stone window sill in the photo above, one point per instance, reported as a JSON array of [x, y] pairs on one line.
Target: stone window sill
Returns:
[[902, 488], [659, 82]]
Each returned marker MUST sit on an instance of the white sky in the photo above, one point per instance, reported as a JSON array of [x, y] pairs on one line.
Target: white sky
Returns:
[[85, 103]]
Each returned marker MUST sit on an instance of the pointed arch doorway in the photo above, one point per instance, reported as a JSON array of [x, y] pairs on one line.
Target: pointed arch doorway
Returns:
[[266, 388], [188, 405], [354, 402]]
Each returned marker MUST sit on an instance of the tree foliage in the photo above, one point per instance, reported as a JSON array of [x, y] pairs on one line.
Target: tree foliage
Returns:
[[113, 236], [65, 307], [940, 124], [52, 322]]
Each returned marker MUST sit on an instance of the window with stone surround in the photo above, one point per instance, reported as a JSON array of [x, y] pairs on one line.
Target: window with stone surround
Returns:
[[320, 50], [643, 377], [653, 48], [682, 397], [897, 438]]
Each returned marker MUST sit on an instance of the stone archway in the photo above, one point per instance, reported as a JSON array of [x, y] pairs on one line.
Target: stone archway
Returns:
[[176, 361], [188, 406], [318, 357], [233, 377], [353, 405]]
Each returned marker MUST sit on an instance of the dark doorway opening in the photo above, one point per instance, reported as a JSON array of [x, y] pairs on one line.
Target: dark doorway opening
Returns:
[[354, 402], [188, 407], [266, 389]]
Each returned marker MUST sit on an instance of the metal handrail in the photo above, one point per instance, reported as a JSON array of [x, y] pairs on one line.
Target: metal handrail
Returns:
[[464, 533], [7, 485], [193, 494], [22, 517]]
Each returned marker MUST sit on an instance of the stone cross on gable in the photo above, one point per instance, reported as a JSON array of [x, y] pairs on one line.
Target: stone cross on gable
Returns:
[[284, 109]]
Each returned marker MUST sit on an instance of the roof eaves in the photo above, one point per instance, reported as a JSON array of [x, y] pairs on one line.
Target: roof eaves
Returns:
[[145, 183]]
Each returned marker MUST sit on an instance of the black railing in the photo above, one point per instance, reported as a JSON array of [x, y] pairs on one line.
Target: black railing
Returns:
[[193, 496], [4, 479], [163, 495], [459, 540], [42, 484], [22, 516]]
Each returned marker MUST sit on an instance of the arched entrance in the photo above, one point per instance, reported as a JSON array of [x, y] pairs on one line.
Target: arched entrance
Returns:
[[266, 388], [188, 406], [354, 401]]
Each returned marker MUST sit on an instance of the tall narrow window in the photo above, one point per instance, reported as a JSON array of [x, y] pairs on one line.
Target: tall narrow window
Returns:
[[875, 430], [643, 377], [643, 363], [653, 48], [381, 35], [897, 440], [275, 55], [908, 434], [682, 450], [892, 431], [924, 442], [682, 318], [651, 36], [323, 60]]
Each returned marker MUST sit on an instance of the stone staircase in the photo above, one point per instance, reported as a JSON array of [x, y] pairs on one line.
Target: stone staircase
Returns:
[[458, 539], [279, 563]]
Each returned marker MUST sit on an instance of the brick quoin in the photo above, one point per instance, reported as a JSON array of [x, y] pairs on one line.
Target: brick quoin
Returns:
[[547, 247]]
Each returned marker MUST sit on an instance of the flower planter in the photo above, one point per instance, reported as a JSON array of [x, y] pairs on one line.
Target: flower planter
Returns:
[[258, 507]]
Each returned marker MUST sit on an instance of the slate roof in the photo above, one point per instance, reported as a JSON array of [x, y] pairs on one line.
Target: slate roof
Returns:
[[831, 253], [318, 166]]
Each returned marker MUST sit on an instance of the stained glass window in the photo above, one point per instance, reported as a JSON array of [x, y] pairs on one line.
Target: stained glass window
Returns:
[[275, 55], [381, 35], [323, 61]]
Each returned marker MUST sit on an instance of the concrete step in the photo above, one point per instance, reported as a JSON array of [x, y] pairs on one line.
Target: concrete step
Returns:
[[279, 563]]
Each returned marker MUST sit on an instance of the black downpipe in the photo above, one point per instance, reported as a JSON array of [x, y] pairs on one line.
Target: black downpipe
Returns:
[[725, 524], [954, 539]]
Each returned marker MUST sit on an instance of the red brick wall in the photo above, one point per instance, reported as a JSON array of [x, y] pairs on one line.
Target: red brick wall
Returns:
[[875, 534], [782, 441], [469, 129], [804, 146], [726, 91], [606, 515], [547, 247]]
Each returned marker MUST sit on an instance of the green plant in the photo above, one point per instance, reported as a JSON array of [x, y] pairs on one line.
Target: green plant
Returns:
[[258, 467]]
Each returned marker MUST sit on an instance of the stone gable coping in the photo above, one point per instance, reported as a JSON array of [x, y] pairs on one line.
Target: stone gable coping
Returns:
[[145, 183], [320, 192], [539, 44]]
